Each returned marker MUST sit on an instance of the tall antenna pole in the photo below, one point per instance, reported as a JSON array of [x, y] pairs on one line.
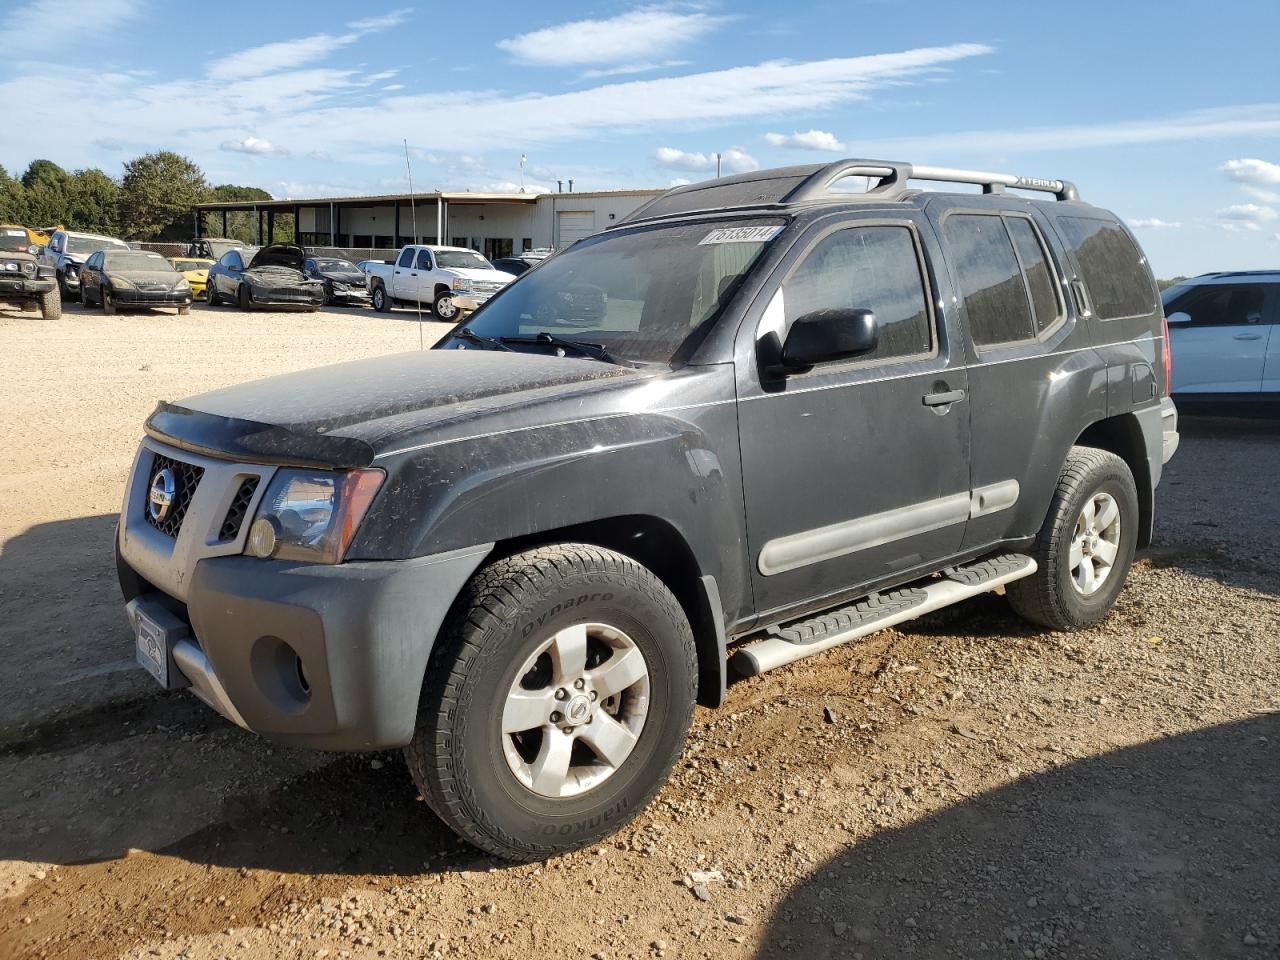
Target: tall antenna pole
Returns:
[[717, 166], [413, 213]]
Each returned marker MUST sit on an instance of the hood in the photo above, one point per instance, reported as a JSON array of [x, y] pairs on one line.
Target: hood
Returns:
[[471, 273], [166, 277], [348, 275], [344, 415], [279, 255]]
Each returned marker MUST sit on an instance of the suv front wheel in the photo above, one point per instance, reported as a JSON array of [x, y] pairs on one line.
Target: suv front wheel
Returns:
[[1085, 548], [557, 700]]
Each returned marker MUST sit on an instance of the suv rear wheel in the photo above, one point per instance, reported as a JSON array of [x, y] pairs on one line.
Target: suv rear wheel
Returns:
[[557, 699], [1085, 548]]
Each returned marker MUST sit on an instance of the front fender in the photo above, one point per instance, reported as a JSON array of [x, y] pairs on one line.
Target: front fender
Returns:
[[679, 466]]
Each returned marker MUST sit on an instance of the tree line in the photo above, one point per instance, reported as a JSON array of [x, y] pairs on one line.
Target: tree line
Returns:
[[151, 200]]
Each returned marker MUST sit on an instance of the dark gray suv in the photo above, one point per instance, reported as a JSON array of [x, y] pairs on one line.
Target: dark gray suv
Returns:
[[760, 417]]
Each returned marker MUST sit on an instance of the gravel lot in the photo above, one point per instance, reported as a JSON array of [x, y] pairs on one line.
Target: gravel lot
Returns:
[[963, 787]]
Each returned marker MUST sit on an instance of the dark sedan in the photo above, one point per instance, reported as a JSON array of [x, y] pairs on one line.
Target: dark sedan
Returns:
[[344, 282], [133, 278], [270, 277]]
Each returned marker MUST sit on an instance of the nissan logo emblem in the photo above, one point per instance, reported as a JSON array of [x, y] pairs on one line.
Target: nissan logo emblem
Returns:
[[160, 496]]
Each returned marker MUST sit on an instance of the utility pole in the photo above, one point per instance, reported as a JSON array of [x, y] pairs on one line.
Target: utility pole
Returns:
[[718, 165]]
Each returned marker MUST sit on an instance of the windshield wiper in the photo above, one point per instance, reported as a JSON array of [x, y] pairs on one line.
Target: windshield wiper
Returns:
[[493, 343], [596, 351]]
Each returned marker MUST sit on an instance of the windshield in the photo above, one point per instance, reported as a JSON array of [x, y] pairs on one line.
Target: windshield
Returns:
[[14, 241], [132, 260], [639, 294], [462, 258], [336, 266], [184, 265], [92, 244]]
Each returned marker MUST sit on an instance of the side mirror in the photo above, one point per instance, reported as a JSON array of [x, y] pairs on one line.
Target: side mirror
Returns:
[[1178, 317], [826, 335]]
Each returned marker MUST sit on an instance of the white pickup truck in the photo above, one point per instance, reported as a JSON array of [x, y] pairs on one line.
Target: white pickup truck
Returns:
[[445, 279]]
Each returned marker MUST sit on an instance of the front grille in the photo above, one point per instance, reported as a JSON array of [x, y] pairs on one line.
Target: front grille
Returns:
[[186, 477], [238, 510], [486, 286]]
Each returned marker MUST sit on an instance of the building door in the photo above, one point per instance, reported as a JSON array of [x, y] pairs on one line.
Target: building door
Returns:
[[495, 247], [574, 225]]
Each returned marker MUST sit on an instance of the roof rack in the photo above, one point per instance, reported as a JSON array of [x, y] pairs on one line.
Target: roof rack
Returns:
[[788, 185]]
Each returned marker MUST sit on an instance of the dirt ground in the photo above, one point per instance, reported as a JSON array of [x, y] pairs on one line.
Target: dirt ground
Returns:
[[963, 787]]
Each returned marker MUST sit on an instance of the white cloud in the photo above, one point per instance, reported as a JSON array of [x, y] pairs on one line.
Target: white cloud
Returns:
[[318, 108], [809, 140], [270, 58], [1261, 119], [253, 145], [30, 28], [632, 37], [629, 68], [1250, 214], [1259, 173], [733, 160], [1154, 223]]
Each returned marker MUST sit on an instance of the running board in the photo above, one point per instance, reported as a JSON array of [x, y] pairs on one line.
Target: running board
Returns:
[[798, 640]]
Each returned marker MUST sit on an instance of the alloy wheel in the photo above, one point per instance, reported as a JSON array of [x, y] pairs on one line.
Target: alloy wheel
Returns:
[[1095, 543]]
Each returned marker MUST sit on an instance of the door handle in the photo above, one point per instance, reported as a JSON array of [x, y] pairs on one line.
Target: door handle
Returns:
[[944, 398], [397, 271], [413, 274], [1247, 336]]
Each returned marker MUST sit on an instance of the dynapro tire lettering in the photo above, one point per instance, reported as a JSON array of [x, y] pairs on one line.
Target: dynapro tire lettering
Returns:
[[529, 627], [586, 823]]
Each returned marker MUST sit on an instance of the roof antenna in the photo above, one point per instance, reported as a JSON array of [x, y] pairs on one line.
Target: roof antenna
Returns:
[[413, 213]]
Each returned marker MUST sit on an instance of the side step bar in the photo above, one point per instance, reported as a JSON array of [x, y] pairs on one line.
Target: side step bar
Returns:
[[799, 640]]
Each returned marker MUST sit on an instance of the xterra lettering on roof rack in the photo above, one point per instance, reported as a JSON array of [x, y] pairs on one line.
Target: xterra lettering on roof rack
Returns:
[[787, 186]]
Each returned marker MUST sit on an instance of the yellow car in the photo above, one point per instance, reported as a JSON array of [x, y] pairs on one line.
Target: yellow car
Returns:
[[196, 270]]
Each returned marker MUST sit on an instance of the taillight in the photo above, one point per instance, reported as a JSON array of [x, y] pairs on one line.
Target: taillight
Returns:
[[1168, 358]]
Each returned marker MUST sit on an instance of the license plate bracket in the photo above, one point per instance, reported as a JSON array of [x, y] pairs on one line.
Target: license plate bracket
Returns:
[[156, 630]]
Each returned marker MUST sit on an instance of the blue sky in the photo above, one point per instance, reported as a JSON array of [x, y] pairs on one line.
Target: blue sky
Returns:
[[1168, 113]]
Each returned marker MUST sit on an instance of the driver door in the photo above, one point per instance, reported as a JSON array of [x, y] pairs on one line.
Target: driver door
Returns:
[[857, 470]]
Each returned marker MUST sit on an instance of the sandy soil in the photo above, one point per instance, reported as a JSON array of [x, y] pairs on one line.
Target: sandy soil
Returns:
[[966, 786]]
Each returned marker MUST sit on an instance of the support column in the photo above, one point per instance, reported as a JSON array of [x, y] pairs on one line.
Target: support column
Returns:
[[440, 220], [395, 243], [257, 226], [224, 223], [271, 225], [333, 228]]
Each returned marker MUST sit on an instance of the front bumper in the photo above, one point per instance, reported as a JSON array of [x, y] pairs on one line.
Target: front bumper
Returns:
[[276, 297], [151, 298], [356, 295], [327, 657], [12, 285]]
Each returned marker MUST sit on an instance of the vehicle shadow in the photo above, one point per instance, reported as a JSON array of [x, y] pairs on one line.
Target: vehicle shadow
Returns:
[[1167, 849]]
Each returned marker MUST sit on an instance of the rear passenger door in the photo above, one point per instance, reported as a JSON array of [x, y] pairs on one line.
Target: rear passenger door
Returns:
[[854, 471], [1218, 332], [1023, 368]]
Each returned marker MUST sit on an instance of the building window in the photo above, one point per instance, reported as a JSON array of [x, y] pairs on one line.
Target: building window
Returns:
[[526, 244]]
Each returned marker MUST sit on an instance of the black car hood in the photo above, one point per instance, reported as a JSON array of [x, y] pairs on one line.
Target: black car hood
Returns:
[[344, 415], [342, 276]]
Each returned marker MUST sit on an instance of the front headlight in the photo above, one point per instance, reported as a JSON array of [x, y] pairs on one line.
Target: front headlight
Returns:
[[312, 515], [121, 283], [71, 269], [182, 284]]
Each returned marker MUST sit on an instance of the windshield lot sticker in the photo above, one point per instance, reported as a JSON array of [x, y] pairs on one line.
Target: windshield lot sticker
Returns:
[[741, 235]]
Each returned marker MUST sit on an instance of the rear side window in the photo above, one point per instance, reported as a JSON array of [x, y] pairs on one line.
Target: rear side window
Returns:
[[1035, 264], [867, 268], [995, 295], [1221, 304], [1113, 271], [406, 258]]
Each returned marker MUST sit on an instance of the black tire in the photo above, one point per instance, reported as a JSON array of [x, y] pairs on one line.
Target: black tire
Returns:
[[500, 619], [381, 301], [51, 305], [104, 298], [63, 290], [1049, 597], [445, 308], [83, 296], [211, 294], [243, 297], [184, 309]]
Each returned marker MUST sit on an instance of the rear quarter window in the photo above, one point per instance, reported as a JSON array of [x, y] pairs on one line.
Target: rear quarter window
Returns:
[[1114, 272]]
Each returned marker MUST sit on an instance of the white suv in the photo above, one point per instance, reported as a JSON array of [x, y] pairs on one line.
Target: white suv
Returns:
[[1223, 339], [66, 253]]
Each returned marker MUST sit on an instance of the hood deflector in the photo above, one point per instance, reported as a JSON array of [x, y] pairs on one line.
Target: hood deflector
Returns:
[[247, 440]]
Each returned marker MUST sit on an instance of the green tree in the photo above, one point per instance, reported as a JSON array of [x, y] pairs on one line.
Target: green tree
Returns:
[[44, 173], [157, 194], [93, 202], [42, 201]]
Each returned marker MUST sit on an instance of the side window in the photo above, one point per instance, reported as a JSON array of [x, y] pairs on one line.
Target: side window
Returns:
[[424, 259], [867, 268], [1221, 304], [1114, 273], [1039, 272], [309, 265], [406, 258], [995, 296]]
